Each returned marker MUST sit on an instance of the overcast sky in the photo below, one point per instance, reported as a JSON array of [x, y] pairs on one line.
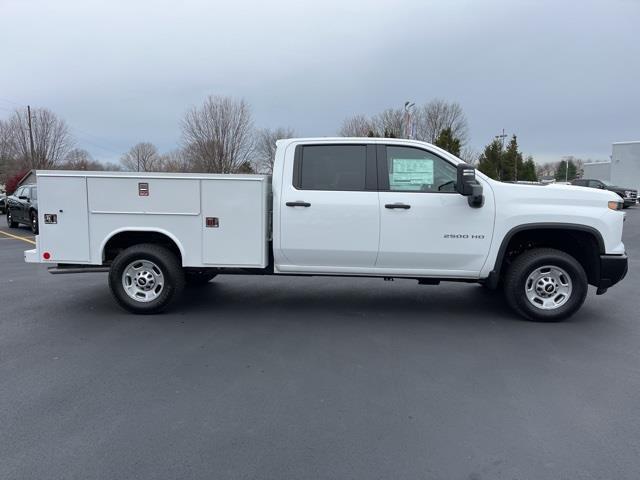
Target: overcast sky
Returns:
[[563, 75]]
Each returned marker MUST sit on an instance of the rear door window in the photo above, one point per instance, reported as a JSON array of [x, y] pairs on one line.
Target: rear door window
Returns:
[[331, 167]]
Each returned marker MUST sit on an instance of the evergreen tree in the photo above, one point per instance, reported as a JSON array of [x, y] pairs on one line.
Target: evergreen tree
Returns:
[[566, 172], [512, 163], [529, 171], [447, 141], [506, 165], [490, 159]]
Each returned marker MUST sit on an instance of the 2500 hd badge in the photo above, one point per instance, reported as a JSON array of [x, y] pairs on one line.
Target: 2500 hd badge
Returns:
[[464, 235]]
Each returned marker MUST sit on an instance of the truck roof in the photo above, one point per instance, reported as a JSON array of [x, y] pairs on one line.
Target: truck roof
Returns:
[[398, 141]]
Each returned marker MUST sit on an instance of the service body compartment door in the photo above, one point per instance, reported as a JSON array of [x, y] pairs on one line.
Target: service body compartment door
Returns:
[[63, 219], [234, 222]]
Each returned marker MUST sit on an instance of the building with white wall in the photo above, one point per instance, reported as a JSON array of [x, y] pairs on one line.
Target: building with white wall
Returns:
[[623, 169], [597, 170], [625, 164]]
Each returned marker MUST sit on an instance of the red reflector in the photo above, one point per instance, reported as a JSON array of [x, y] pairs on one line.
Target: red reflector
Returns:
[[46, 255]]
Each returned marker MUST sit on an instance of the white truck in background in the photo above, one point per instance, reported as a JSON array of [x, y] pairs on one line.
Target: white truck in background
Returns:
[[371, 207]]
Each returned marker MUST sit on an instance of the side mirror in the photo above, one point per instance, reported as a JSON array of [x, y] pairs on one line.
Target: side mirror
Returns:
[[22, 197], [468, 186]]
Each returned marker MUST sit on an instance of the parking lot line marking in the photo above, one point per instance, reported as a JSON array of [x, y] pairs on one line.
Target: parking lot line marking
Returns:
[[18, 238]]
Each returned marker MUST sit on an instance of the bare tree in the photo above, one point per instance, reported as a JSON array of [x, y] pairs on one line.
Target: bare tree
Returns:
[[437, 115], [217, 136], [357, 126], [8, 163], [389, 123], [266, 146], [143, 157], [51, 138], [80, 159], [112, 167], [470, 156], [175, 161]]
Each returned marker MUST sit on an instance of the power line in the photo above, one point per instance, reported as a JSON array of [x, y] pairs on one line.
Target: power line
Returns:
[[100, 144], [12, 102]]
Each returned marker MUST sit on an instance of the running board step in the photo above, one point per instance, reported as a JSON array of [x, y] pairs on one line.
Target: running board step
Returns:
[[87, 269]]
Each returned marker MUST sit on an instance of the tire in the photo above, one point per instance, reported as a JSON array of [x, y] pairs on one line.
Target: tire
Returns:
[[531, 279], [195, 278], [138, 271], [33, 222], [10, 221]]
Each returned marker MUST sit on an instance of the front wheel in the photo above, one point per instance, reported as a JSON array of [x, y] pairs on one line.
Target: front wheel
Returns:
[[145, 278], [545, 285], [10, 222]]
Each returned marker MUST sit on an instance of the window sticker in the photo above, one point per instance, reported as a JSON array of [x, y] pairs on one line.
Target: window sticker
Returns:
[[411, 173]]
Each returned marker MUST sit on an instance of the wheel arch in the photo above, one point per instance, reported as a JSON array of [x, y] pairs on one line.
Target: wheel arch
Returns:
[[128, 236], [588, 261]]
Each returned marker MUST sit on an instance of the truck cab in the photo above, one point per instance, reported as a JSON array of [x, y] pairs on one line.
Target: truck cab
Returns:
[[381, 207]]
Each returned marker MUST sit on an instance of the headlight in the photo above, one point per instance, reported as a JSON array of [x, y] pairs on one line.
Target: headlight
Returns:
[[615, 205]]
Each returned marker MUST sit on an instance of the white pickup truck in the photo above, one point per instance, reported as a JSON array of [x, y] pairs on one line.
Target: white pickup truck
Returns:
[[367, 207]]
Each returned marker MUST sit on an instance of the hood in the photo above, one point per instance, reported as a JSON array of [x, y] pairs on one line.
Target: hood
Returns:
[[566, 195]]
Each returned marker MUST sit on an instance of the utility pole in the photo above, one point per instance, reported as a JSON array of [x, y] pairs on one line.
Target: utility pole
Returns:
[[566, 171], [501, 137], [30, 135]]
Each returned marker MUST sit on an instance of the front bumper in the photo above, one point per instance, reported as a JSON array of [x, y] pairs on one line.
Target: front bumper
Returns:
[[613, 268]]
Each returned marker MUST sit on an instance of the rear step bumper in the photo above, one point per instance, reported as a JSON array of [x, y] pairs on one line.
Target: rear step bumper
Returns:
[[31, 256]]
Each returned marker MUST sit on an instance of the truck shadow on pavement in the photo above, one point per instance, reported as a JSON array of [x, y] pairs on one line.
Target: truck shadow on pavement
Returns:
[[326, 300]]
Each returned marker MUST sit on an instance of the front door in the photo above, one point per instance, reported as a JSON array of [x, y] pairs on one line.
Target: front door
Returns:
[[329, 210], [426, 225]]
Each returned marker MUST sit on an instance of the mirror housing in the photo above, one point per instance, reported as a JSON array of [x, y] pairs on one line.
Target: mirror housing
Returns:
[[22, 197], [468, 186]]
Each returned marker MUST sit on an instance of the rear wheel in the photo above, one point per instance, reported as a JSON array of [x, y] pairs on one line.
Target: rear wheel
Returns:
[[195, 278], [145, 278], [10, 220], [545, 285]]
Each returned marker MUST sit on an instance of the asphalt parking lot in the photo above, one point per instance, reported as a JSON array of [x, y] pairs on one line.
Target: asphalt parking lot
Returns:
[[313, 378]]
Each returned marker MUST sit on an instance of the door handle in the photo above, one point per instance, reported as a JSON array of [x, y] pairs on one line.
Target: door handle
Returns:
[[298, 204], [403, 206]]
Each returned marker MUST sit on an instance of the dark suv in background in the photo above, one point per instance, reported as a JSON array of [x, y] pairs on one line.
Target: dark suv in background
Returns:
[[22, 207], [629, 195]]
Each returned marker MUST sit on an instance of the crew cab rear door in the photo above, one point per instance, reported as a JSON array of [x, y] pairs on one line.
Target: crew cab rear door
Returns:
[[329, 209], [425, 225]]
